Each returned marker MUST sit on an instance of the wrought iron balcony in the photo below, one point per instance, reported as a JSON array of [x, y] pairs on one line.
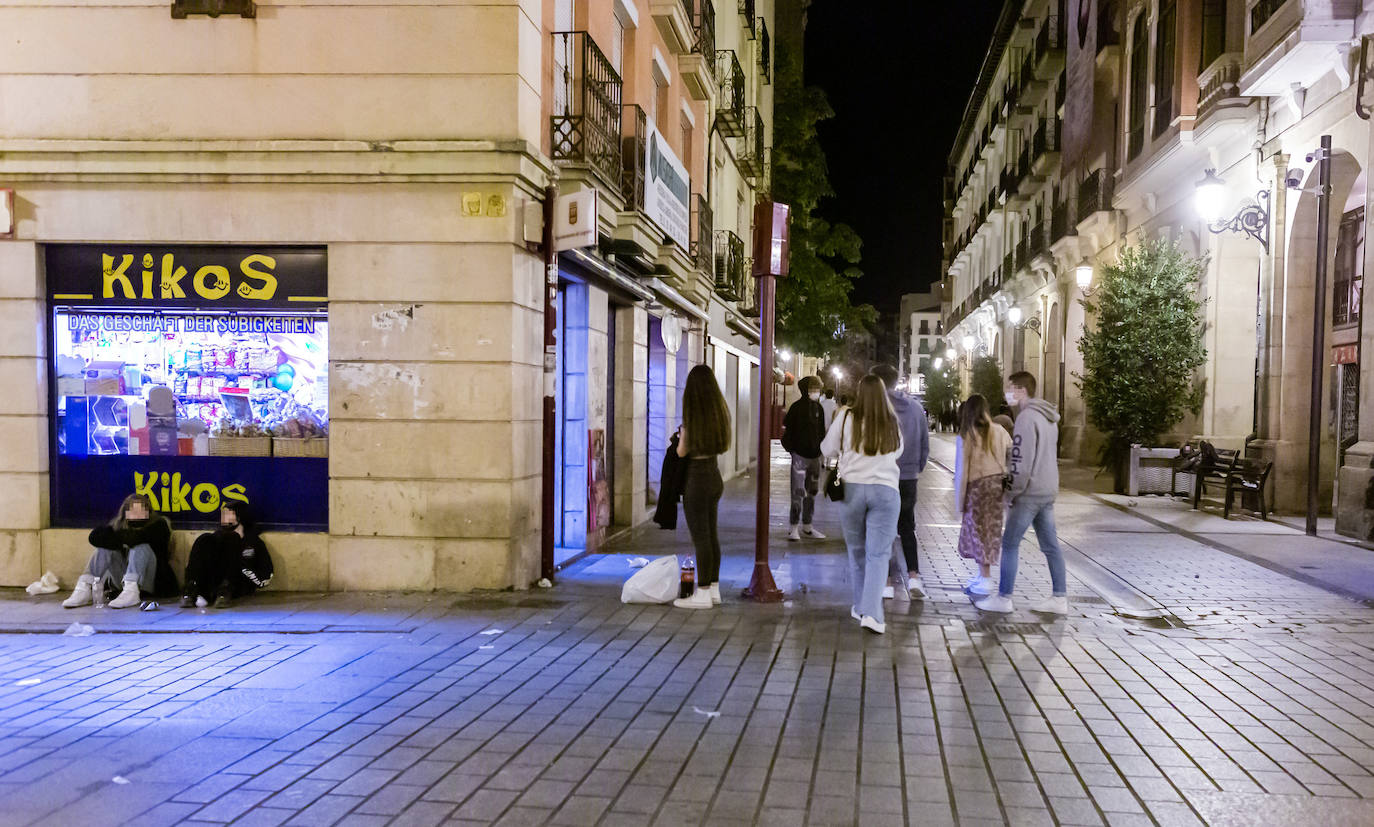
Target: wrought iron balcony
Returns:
[[633, 140], [765, 53], [1008, 268], [702, 235], [1049, 48], [1045, 146], [585, 125], [748, 12], [750, 153], [1037, 241], [1022, 254], [729, 266], [730, 107], [1060, 226], [749, 305], [705, 23], [1095, 193]]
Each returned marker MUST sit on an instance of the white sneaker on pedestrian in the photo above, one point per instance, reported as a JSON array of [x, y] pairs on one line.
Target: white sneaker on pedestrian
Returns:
[[968, 584], [795, 535], [889, 592], [876, 626], [914, 589], [996, 603], [854, 613], [812, 533], [715, 594], [1056, 605], [81, 595], [700, 599], [201, 602], [983, 585], [128, 596]]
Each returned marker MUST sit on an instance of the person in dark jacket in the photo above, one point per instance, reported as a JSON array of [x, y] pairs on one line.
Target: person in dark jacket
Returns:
[[227, 563], [132, 550], [670, 481], [803, 429]]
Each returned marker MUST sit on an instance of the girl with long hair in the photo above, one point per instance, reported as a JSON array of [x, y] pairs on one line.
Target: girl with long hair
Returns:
[[133, 550], [980, 452], [868, 441], [705, 435]]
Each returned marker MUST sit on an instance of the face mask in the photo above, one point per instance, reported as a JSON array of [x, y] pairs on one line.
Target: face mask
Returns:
[[1011, 399], [815, 397], [136, 523]]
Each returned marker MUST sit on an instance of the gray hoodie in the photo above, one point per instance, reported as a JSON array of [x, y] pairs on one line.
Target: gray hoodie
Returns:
[[911, 418], [1034, 452]]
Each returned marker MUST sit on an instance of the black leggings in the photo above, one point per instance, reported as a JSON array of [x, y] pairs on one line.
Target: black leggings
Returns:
[[700, 502]]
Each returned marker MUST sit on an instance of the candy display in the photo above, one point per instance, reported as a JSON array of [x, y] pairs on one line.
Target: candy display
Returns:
[[215, 381]]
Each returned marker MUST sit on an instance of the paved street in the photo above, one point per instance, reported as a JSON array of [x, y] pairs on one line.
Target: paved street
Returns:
[[1190, 684]]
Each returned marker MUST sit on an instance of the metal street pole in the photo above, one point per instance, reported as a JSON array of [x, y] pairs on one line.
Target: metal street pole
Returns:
[[1314, 425], [547, 515]]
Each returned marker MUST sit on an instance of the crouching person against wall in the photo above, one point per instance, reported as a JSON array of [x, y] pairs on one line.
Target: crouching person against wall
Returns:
[[132, 552], [228, 563]]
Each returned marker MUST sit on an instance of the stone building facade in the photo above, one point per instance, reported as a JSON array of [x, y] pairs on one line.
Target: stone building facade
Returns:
[[411, 146]]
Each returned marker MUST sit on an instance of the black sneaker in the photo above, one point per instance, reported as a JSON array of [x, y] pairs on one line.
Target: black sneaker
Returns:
[[188, 600], [223, 598]]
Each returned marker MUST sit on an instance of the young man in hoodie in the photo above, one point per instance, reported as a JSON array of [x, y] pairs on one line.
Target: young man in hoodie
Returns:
[[1035, 484], [803, 430], [911, 419]]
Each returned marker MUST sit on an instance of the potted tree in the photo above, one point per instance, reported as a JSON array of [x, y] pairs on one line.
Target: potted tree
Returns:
[[987, 380], [1142, 349]]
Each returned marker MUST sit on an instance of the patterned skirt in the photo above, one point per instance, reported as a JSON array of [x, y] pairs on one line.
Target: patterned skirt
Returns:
[[980, 530]]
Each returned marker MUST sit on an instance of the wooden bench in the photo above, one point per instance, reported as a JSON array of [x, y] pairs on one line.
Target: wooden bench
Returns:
[[1247, 478]]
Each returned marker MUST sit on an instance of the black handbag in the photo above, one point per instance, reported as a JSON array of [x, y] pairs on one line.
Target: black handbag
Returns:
[[834, 486]]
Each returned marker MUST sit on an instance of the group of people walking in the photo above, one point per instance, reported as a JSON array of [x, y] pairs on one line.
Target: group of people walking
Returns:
[[1006, 480]]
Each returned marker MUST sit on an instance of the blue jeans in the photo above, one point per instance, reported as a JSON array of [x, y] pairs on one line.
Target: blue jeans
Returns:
[[1022, 515], [110, 566], [870, 526]]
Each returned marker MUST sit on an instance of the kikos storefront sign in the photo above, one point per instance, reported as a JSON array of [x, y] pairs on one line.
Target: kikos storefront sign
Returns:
[[187, 276]]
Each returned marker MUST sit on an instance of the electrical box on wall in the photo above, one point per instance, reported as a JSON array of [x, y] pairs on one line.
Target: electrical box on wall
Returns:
[[8, 222], [213, 8]]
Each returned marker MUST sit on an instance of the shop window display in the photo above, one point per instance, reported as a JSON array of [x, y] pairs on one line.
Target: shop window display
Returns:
[[180, 381]]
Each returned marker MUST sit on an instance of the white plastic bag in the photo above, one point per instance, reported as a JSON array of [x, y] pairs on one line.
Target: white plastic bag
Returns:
[[657, 582]]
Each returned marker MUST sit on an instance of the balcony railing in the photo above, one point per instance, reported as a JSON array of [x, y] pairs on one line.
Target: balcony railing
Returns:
[[1095, 193], [765, 53], [585, 126], [747, 11], [1219, 82], [701, 249], [633, 138], [729, 266], [1022, 254], [749, 305], [730, 108], [1049, 48], [1046, 139], [1262, 11], [705, 23], [1060, 226], [1037, 242], [749, 156], [1008, 268]]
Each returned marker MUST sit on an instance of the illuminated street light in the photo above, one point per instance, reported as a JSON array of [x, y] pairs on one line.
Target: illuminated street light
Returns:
[[1014, 316], [939, 363], [1083, 274], [785, 355], [1210, 192], [951, 354], [969, 342], [838, 374]]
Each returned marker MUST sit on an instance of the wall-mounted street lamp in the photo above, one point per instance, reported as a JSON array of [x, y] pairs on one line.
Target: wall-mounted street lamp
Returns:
[[785, 355], [1018, 320], [950, 353], [969, 343], [1083, 275], [1252, 219], [938, 363]]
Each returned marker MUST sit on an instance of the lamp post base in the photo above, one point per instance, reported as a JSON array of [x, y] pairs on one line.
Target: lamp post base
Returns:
[[762, 589]]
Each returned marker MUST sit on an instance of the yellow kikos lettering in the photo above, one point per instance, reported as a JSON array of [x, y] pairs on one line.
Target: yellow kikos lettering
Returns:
[[234, 492], [144, 487], [172, 274], [205, 497], [147, 275], [180, 493], [269, 281], [111, 275], [212, 290], [166, 481]]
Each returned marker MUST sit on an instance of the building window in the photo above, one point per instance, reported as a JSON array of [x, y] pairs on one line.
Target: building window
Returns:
[[1136, 122], [1345, 299], [1213, 32], [1165, 37], [618, 44], [925, 327]]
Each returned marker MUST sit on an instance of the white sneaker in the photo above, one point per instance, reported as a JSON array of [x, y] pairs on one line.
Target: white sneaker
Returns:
[[715, 594], [889, 592], [968, 584], [795, 535], [983, 585], [872, 625], [1056, 605], [812, 533], [996, 603], [201, 602], [81, 595], [914, 589], [854, 613], [128, 596], [700, 599]]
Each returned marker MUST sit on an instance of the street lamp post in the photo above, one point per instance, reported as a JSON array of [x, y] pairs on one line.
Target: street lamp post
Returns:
[[1314, 425]]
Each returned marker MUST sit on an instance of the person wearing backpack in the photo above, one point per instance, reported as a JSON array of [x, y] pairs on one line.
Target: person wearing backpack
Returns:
[[868, 442]]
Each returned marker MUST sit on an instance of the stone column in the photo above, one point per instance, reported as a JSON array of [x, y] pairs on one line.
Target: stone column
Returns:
[[23, 414], [1229, 286]]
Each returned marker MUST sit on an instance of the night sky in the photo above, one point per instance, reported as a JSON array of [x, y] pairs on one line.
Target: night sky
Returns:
[[898, 75]]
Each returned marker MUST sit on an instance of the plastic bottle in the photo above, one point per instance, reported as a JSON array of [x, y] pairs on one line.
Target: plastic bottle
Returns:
[[98, 593], [689, 578]]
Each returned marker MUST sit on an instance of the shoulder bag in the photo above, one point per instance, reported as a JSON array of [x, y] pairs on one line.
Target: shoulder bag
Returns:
[[834, 486]]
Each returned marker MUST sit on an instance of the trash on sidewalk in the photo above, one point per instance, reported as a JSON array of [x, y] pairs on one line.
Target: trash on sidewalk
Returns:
[[47, 584], [486, 647], [657, 582], [28, 682], [708, 713], [638, 562], [148, 606], [119, 779], [544, 583], [490, 632], [79, 630]]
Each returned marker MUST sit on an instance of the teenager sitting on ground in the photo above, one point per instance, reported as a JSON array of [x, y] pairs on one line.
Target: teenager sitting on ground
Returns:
[[227, 563], [134, 550]]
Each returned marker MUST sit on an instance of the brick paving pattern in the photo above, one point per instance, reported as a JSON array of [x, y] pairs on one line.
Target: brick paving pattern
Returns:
[[1250, 700]]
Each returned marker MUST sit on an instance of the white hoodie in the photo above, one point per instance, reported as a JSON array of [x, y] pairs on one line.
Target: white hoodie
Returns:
[[857, 467]]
